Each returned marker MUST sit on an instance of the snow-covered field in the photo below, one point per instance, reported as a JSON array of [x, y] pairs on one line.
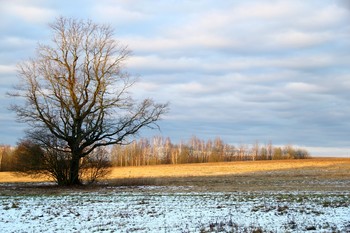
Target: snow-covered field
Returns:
[[164, 209]]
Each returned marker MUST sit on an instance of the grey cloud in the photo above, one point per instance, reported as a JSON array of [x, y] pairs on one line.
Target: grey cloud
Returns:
[[243, 70], [344, 3]]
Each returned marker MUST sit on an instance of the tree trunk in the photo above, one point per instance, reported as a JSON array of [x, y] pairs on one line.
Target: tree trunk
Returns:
[[74, 171]]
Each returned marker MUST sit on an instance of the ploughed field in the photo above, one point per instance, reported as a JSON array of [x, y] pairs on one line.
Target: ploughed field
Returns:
[[262, 196]]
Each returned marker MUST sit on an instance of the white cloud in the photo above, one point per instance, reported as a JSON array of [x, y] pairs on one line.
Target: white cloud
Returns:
[[118, 14], [29, 13], [6, 69], [328, 151], [14, 42], [264, 27], [266, 10], [303, 87], [325, 17], [298, 39], [307, 61], [153, 63]]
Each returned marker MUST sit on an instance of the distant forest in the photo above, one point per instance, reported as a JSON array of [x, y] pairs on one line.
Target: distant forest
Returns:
[[160, 150]]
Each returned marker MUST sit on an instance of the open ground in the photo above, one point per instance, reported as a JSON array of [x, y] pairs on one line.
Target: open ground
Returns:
[[254, 196]]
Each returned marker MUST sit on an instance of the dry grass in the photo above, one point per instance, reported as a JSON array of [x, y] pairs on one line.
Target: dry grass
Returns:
[[10, 177], [229, 168], [316, 174]]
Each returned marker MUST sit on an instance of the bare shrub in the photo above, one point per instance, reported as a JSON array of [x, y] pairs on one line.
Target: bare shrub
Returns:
[[50, 161], [95, 166]]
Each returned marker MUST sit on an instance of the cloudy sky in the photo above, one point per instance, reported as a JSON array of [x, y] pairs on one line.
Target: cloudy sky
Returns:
[[246, 71]]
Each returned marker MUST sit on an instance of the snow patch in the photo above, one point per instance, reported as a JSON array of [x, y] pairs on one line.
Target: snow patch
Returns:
[[153, 210]]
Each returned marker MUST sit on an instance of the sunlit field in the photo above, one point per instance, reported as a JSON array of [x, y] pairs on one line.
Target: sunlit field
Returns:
[[312, 174], [329, 165]]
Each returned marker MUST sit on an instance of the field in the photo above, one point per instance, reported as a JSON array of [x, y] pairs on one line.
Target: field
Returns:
[[259, 196]]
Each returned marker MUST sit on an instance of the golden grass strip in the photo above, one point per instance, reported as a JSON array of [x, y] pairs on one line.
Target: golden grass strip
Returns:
[[229, 168], [330, 166]]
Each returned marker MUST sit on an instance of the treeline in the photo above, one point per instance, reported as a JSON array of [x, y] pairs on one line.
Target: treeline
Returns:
[[24, 155], [157, 150], [161, 150]]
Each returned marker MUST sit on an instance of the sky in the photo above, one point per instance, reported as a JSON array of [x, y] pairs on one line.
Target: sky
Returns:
[[244, 71]]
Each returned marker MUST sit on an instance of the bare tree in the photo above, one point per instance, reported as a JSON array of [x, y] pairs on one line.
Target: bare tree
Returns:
[[269, 148], [77, 91], [255, 151], [2, 150]]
